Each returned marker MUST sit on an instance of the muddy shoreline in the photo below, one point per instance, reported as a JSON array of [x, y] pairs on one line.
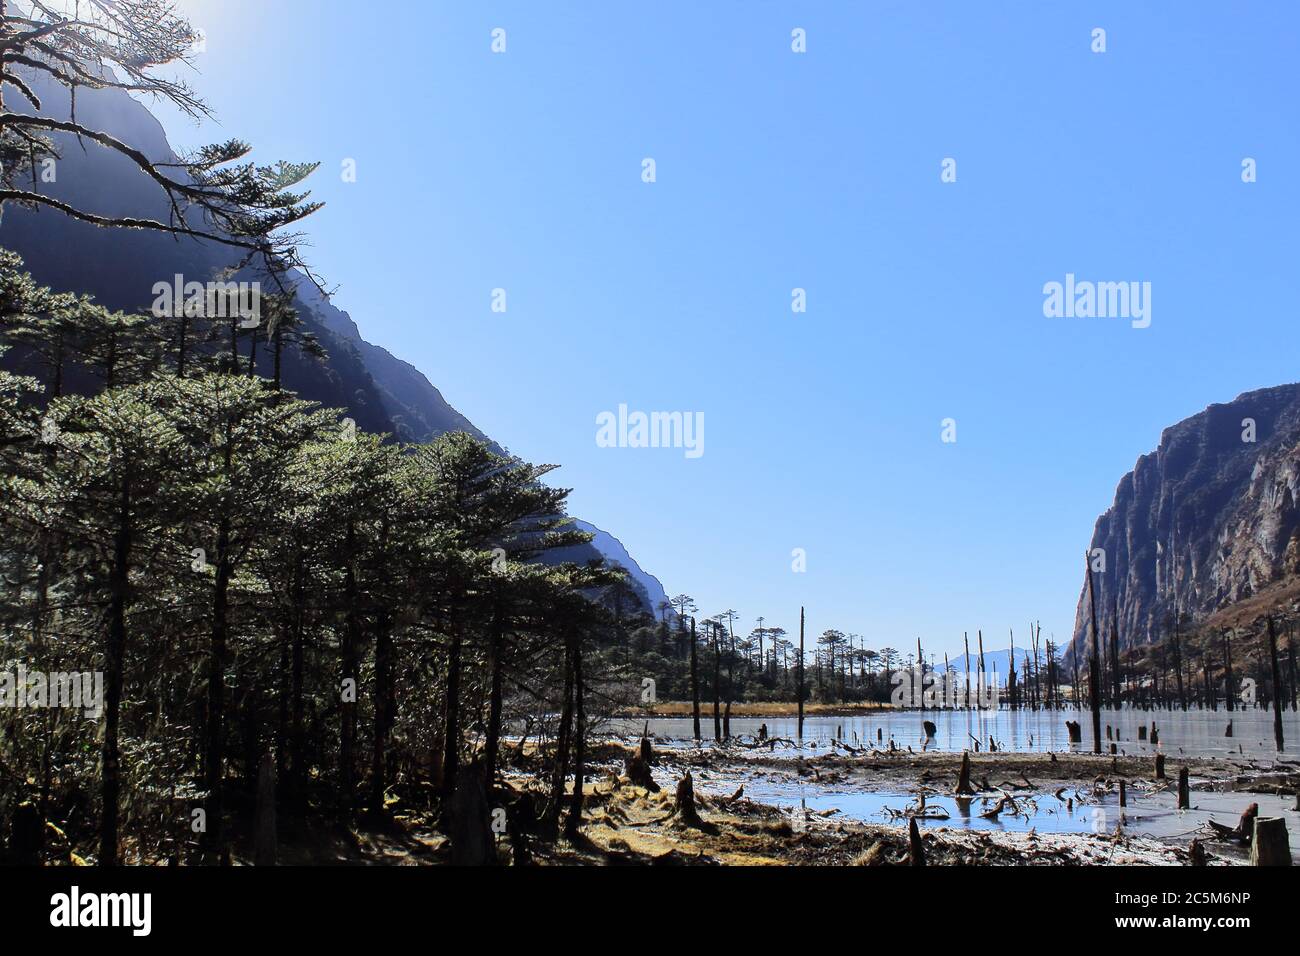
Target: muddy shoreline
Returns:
[[744, 824]]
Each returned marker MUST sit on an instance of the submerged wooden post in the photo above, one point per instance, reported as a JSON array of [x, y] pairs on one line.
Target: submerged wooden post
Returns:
[[1184, 790], [1269, 846], [1160, 766]]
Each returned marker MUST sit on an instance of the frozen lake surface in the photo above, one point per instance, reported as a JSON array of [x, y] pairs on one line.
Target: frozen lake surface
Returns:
[[1194, 733]]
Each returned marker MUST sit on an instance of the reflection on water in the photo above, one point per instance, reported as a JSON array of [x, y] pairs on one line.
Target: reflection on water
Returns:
[[1196, 732], [1148, 814]]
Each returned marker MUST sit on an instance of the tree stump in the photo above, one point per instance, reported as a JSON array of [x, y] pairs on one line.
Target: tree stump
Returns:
[[1160, 766], [1196, 854], [1123, 794], [684, 808], [264, 850], [1270, 846], [638, 772], [1155, 736], [1142, 732], [647, 751], [1184, 790], [1075, 731], [963, 780], [1228, 732], [915, 848]]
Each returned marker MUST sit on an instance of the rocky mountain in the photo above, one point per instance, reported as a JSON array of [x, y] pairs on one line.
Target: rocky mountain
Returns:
[[119, 268], [1207, 520]]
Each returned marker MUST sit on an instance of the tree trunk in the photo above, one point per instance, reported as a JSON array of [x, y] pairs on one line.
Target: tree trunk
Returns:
[[451, 720], [717, 688], [574, 821], [1094, 671], [801, 689], [215, 761], [115, 661], [1277, 685], [561, 768], [264, 852], [695, 685], [493, 742], [297, 733], [472, 841], [385, 707], [350, 673]]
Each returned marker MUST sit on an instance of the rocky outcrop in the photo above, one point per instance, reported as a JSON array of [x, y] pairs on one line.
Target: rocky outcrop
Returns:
[[1206, 520]]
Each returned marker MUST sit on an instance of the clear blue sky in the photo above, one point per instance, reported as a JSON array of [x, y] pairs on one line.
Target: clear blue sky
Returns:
[[821, 171]]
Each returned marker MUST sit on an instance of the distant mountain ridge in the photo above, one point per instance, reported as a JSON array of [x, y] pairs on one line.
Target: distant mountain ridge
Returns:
[[1207, 520], [381, 392]]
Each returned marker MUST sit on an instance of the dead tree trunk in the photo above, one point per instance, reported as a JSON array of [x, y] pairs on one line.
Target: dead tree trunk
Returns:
[[920, 663], [1094, 675], [800, 691], [1116, 688], [717, 685], [1184, 790], [965, 639], [1227, 673], [695, 684], [1277, 685]]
